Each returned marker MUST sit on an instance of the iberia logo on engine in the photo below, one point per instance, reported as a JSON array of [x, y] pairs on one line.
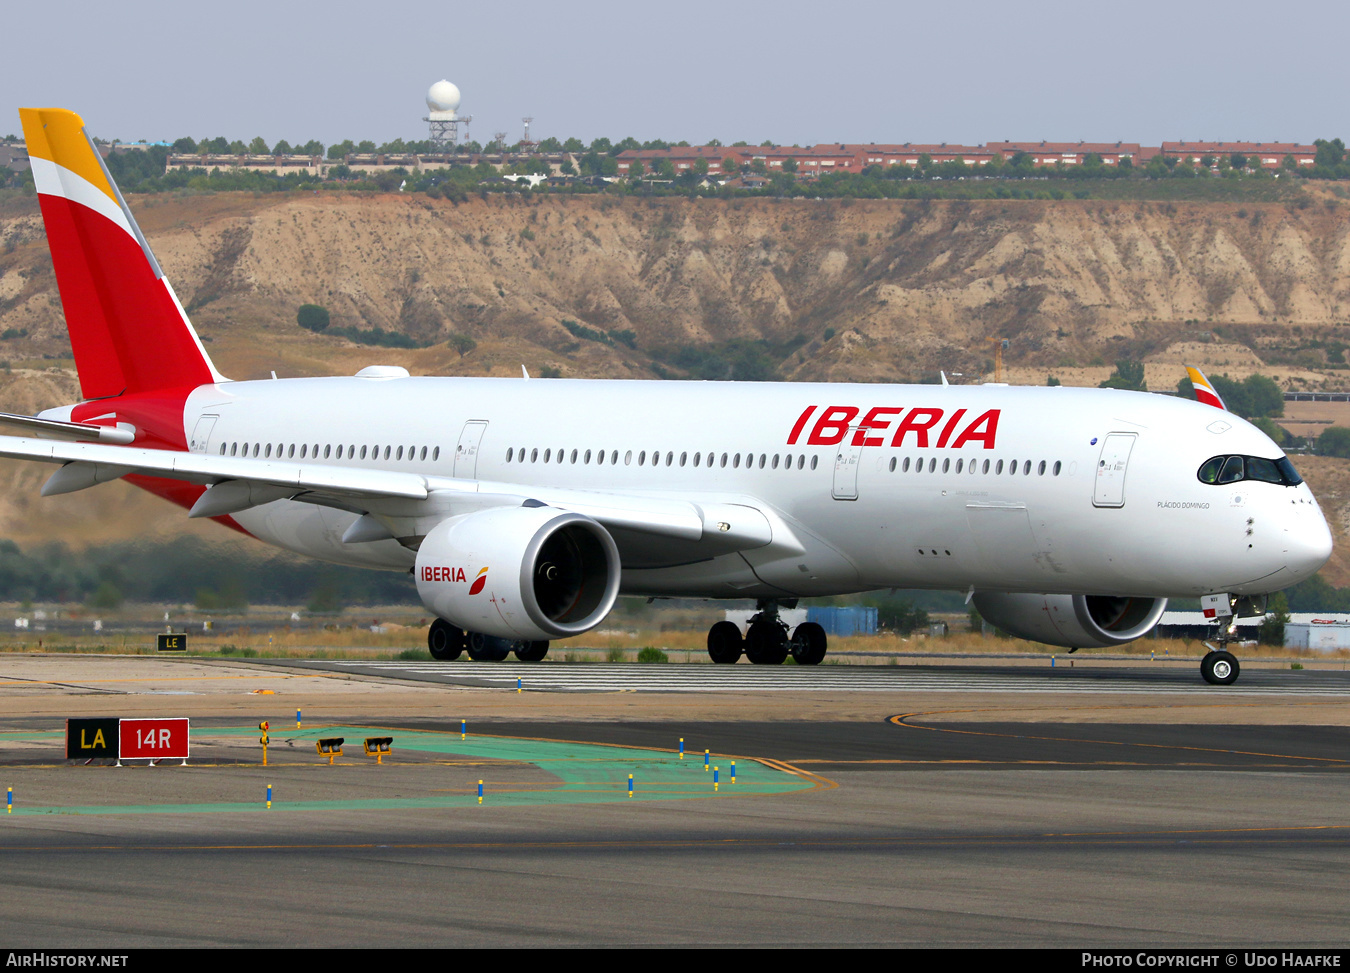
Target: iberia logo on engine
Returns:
[[438, 573]]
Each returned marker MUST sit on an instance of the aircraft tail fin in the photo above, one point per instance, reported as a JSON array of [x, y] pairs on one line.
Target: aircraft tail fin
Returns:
[[1204, 391], [127, 327]]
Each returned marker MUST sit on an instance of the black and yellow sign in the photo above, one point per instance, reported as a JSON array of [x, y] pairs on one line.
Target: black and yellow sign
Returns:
[[174, 642], [91, 738]]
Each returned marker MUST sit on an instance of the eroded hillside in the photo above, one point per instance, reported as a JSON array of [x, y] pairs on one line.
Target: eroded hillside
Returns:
[[862, 290]]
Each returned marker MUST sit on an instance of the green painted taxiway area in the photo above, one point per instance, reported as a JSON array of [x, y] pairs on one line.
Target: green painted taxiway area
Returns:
[[557, 772]]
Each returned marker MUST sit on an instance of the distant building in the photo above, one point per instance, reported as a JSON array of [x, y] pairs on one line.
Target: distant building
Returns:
[[1270, 154], [1074, 153], [14, 156]]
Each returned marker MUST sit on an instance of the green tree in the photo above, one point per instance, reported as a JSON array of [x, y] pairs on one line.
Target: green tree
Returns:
[[1334, 441], [1331, 153], [1271, 429], [790, 165], [107, 595], [1128, 375], [312, 317], [1277, 616], [462, 343], [258, 146], [185, 145]]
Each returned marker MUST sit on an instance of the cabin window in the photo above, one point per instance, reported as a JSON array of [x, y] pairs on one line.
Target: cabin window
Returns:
[[509, 453], [958, 465], [985, 467], [684, 458], [600, 458], [436, 453], [999, 468], [801, 461], [628, 457], [946, 465], [1040, 470], [932, 465], [736, 462]]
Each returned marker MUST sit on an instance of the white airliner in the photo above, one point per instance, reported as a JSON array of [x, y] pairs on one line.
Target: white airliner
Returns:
[[524, 508]]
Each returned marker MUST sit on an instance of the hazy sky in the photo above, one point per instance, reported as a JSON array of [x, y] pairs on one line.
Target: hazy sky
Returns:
[[1141, 71]]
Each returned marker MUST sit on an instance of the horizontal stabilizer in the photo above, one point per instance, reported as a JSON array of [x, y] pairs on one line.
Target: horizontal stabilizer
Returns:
[[89, 432]]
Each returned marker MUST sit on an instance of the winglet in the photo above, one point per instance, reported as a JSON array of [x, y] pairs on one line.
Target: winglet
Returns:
[[1204, 391]]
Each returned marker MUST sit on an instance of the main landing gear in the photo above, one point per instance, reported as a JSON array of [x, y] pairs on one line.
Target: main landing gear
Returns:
[[447, 643], [766, 641]]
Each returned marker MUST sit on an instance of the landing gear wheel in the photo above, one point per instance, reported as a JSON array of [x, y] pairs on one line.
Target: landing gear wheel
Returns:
[[488, 648], [445, 641], [724, 643], [1220, 668], [532, 651], [808, 644], [766, 643]]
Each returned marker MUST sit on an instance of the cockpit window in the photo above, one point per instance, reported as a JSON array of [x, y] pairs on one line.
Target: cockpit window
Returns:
[[1263, 470], [1233, 469]]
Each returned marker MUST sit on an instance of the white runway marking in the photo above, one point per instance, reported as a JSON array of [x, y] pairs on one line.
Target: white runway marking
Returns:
[[676, 678]]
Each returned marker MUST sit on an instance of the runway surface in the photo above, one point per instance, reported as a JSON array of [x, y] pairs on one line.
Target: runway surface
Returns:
[[675, 678], [917, 825]]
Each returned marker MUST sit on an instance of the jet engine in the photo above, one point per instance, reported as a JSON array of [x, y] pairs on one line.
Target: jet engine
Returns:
[[531, 572], [1073, 621]]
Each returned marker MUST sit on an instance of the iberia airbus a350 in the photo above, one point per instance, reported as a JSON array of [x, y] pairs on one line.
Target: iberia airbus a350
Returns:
[[524, 508]]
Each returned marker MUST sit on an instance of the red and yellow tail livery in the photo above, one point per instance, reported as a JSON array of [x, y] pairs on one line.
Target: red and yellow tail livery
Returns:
[[127, 328]]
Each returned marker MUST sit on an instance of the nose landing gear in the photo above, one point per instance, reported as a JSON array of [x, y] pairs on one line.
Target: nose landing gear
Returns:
[[1220, 667]]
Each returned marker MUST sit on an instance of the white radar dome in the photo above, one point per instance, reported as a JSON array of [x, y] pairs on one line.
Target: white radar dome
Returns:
[[443, 96]]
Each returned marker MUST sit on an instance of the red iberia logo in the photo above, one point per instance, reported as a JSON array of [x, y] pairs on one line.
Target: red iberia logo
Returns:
[[945, 430], [438, 573], [478, 582]]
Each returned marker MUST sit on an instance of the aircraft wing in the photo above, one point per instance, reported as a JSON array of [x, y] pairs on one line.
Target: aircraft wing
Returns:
[[238, 483]]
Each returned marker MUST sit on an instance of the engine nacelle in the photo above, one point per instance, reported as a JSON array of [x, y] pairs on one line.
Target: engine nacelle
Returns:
[[530, 572], [1073, 621]]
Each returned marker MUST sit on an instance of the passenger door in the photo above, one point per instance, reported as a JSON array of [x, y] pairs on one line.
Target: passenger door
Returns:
[[847, 457], [466, 453], [1109, 490]]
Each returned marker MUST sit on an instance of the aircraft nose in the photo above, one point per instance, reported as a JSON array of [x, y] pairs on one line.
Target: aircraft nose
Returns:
[[1308, 540]]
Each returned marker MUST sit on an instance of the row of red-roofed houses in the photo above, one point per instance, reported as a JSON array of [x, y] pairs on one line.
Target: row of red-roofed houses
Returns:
[[843, 157]]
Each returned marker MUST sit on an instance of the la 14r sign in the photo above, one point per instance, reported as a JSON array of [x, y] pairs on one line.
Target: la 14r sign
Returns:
[[153, 739]]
